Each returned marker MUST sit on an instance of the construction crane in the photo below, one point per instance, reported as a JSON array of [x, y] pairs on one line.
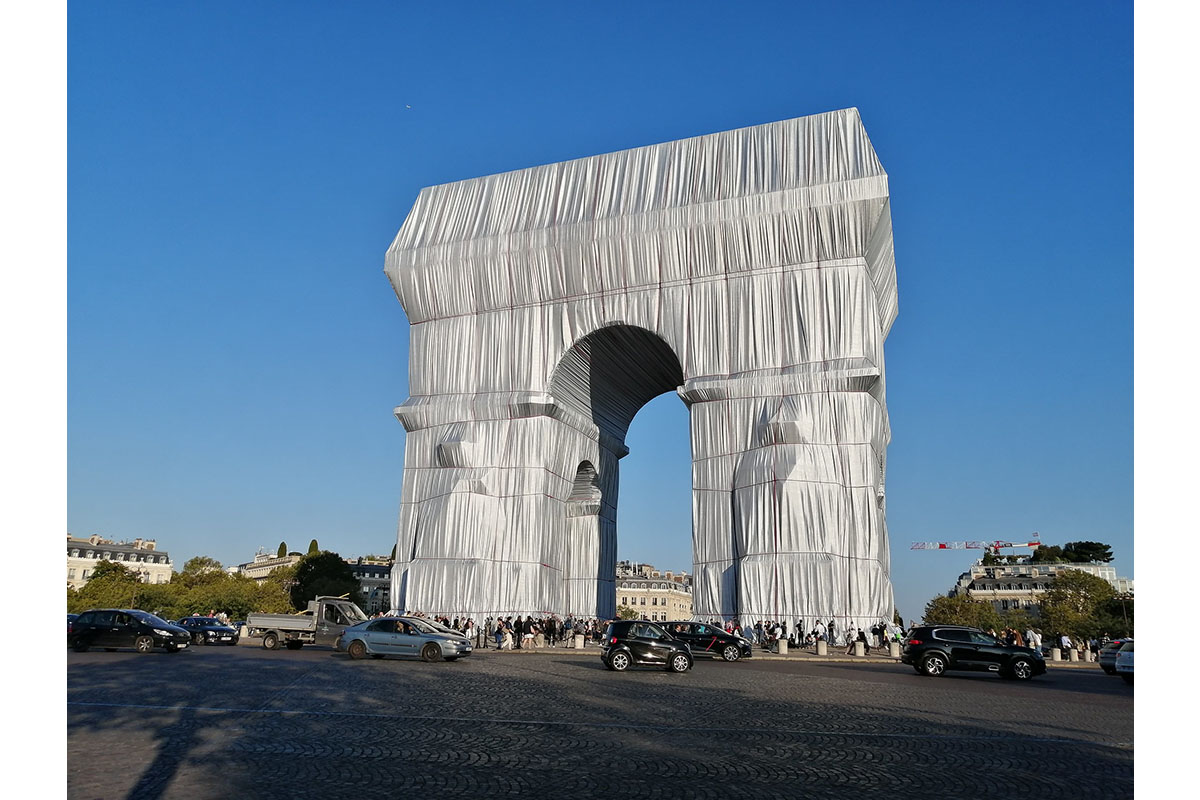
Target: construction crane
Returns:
[[992, 547]]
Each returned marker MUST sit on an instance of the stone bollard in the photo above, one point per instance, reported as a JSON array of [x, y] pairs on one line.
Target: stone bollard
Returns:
[[781, 647], [859, 649], [579, 641], [1055, 654], [1072, 654], [822, 647], [894, 649]]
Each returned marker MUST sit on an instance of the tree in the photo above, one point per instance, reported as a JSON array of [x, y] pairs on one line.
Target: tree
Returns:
[[1047, 553], [1085, 552], [198, 570], [111, 585], [625, 612], [961, 610], [1070, 606], [312, 548], [282, 551], [323, 573]]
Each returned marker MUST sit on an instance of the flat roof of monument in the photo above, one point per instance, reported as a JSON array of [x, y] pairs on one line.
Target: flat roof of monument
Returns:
[[810, 151]]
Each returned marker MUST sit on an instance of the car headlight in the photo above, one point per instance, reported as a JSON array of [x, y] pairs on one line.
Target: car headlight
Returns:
[[161, 632]]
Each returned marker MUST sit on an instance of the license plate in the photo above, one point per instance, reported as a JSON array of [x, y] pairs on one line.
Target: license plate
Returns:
[[182, 645]]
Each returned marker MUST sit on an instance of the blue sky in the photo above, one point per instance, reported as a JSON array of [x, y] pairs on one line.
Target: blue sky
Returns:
[[236, 173]]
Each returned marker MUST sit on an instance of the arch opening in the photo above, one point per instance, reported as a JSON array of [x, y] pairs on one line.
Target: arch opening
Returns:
[[611, 373]]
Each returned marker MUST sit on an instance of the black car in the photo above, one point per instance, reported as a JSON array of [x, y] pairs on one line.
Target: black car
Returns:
[[709, 640], [111, 628], [208, 630], [629, 642], [933, 649]]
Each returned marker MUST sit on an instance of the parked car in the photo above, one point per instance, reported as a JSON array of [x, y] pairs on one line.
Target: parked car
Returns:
[[709, 640], [70, 620], [401, 636], [112, 628], [1124, 662], [1108, 655], [629, 642], [208, 630], [933, 649]]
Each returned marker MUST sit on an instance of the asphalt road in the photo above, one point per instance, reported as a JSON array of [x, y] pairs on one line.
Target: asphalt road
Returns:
[[223, 722]]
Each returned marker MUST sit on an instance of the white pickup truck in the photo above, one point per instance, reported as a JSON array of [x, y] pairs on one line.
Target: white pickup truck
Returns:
[[322, 623]]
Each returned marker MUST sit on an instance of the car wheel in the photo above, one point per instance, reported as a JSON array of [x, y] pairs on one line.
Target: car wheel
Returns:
[[294, 645], [619, 661], [1020, 670], [731, 653], [80, 645], [431, 652], [357, 649], [933, 665], [680, 663], [143, 644], [271, 642], [1125, 676]]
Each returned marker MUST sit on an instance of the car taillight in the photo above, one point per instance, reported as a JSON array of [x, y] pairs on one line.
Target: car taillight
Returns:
[[70, 627], [913, 641], [613, 640]]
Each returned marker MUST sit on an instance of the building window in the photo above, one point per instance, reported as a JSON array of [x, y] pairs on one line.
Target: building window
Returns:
[[75, 553], [85, 574], [70, 574], [643, 601], [89, 554]]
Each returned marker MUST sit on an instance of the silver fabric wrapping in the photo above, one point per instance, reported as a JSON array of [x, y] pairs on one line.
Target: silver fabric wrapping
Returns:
[[752, 272]]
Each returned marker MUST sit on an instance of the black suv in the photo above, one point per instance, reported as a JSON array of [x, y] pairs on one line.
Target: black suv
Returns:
[[933, 649], [208, 630], [111, 628], [629, 642], [709, 640]]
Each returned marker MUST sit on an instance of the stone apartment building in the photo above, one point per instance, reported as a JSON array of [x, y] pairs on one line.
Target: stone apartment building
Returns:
[[1021, 584], [657, 595], [141, 555]]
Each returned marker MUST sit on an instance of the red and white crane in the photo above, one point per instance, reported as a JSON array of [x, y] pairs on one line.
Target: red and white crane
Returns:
[[992, 547]]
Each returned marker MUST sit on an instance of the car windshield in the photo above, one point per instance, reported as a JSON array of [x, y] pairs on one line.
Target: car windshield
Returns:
[[148, 618], [423, 626]]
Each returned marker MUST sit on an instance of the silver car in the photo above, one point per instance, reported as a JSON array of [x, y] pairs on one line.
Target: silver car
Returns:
[[401, 636]]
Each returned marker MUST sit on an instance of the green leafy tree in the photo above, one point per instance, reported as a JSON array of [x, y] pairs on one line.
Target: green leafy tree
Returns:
[[1085, 552], [199, 570], [112, 585], [1072, 603], [312, 548], [625, 612], [282, 551], [323, 573], [1047, 553], [961, 610]]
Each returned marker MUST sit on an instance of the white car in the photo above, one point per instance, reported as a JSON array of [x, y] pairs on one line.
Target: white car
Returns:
[[1124, 662]]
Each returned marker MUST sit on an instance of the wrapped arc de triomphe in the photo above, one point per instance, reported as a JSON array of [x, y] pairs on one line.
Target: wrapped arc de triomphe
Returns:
[[750, 271]]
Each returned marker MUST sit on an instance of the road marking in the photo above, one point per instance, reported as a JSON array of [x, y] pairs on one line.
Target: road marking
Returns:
[[1005, 737]]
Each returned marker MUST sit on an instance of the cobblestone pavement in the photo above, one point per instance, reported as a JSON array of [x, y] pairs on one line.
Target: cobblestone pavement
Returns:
[[226, 722]]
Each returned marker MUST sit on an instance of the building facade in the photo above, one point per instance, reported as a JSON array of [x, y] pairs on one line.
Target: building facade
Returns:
[[264, 564], [142, 556], [374, 582], [657, 595], [1021, 584]]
